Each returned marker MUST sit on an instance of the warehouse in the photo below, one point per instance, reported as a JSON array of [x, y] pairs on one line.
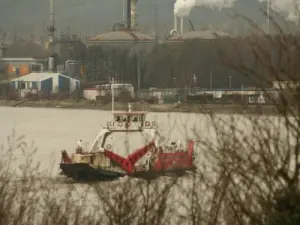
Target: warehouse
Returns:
[[45, 82]]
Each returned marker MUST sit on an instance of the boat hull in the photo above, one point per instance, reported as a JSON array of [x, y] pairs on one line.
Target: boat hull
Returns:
[[150, 175], [85, 172]]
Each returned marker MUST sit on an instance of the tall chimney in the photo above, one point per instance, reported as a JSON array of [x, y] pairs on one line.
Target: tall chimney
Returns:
[[129, 14], [181, 25], [51, 27], [175, 23], [133, 14]]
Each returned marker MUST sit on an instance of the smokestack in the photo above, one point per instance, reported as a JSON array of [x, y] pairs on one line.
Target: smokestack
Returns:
[[51, 28], [129, 14], [181, 25], [175, 22], [133, 13]]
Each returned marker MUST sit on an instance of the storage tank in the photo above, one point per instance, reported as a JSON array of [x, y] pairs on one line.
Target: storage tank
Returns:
[[74, 68], [51, 64], [24, 69]]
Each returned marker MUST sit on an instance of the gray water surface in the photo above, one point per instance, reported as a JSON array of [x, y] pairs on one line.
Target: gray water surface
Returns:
[[52, 130]]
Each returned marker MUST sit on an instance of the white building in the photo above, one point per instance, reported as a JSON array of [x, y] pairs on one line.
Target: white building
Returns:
[[94, 93], [51, 82]]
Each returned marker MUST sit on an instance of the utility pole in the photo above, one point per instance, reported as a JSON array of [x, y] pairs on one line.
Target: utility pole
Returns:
[[268, 15], [123, 10], [210, 79]]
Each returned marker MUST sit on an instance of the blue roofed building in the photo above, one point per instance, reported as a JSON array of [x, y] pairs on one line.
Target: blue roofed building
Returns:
[[45, 82]]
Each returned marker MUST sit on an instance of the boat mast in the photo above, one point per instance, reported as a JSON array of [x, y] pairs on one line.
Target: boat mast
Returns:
[[112, 95]]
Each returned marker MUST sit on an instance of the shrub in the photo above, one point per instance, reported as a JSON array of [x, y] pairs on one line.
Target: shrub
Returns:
[[13, 95]]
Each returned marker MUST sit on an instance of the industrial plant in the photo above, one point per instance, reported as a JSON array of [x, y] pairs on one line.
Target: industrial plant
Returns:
[[128, 55]]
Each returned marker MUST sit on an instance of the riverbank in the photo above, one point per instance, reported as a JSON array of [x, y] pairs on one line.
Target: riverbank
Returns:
[[194, 108]]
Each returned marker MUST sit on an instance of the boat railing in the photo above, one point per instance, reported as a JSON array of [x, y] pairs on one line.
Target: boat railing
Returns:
[[131, 125]]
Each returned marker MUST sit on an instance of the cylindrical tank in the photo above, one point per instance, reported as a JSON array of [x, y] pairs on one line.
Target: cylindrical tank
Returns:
[[51, 64], [11, 68], [74, 69], [24, 70]]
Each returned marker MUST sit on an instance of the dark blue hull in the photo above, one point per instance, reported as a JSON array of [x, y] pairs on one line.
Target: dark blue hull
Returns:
[[85, 172], [150, 175]]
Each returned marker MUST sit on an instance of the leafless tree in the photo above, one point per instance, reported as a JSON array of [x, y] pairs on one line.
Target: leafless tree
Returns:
[[250, 174]]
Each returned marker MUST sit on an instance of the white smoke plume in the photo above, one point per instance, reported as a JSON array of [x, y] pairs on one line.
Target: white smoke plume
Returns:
[[289, 8], [184, 7]]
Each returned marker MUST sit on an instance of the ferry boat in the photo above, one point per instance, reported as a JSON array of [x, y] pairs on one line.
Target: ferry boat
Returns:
[[101, 162], [96, 163]]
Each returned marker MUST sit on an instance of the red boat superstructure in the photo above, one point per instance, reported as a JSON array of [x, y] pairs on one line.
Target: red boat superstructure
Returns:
[[128, 163], [175, 160], [159, 160]]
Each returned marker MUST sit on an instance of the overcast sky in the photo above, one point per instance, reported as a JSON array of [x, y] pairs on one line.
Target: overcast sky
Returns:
[[86, 16]]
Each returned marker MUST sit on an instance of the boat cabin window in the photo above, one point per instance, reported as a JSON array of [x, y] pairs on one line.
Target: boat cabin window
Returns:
[[129, 118], [122, 118]]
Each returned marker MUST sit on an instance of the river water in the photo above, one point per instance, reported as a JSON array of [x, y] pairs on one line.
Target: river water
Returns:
[[52, 130]]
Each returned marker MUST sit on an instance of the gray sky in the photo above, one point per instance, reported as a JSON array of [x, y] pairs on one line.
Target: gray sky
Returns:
[[86, 16]]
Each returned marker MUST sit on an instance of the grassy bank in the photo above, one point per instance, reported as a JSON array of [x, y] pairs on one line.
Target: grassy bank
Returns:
[[194, 108]]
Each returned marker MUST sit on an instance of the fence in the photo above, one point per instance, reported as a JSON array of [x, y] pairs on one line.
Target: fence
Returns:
[[165, 95], [205, 95]]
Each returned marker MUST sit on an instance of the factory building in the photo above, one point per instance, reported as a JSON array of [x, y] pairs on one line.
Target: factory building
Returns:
[[45, 82], [16, 67], [121, 54], [100, 91], [197, 35], [118, 38], [70, 55], [21, 58]]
